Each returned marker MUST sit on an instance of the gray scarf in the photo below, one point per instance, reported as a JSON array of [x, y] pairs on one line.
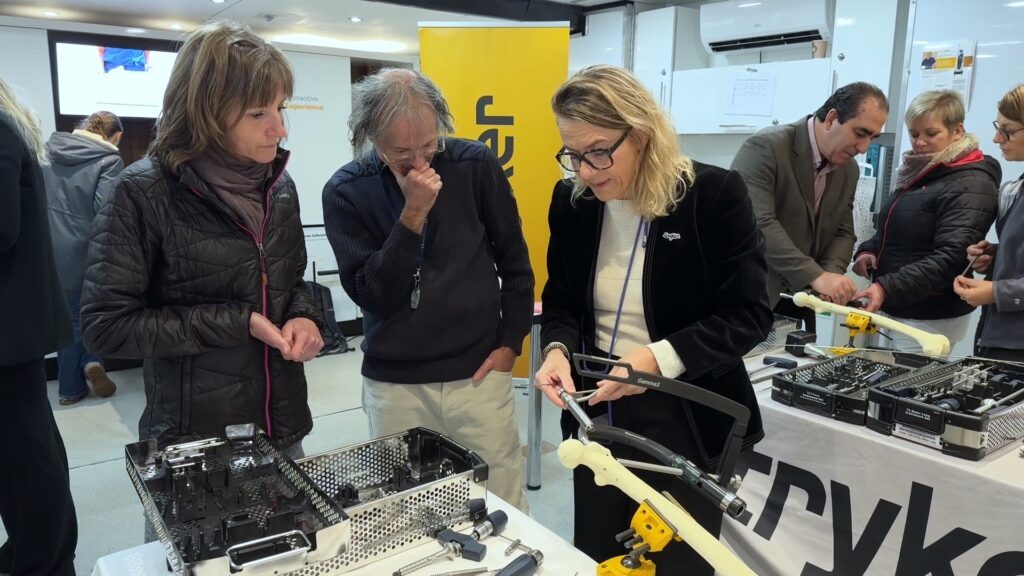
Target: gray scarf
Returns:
[[916, 165], [240, 184]]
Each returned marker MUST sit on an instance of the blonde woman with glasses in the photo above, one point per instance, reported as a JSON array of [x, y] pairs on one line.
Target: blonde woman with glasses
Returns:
[[1001, 332], [656, 260]]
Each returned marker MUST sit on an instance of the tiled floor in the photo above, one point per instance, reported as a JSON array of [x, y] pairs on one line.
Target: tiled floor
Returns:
[[110, 516]]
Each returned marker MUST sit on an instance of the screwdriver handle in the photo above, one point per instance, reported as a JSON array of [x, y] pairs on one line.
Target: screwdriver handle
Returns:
[[524, 565]]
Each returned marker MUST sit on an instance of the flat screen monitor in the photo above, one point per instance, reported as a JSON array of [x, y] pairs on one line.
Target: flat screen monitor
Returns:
[[126, 81]]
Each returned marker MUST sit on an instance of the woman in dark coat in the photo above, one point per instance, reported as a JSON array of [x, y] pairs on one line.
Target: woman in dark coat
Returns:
[[654, 259], [197, 262], [945, 199], [35, 493]]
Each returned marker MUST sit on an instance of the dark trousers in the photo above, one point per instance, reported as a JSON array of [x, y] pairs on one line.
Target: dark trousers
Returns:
[[604, 511], [35, 492], [71, 361], [785, 307]]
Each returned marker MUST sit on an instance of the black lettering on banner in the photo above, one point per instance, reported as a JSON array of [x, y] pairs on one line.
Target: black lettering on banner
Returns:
[[786, 476], [490, 137], [936, 559], [849, 559], [1005, 564]]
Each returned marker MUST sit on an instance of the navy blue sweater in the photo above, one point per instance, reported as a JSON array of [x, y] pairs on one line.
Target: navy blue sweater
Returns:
[[473, 237]]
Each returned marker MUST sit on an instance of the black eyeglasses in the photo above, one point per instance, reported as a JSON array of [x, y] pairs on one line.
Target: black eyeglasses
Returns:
[[598, 158], [1006, 134]]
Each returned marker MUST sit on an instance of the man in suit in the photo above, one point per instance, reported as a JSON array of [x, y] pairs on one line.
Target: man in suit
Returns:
[[801, 178]]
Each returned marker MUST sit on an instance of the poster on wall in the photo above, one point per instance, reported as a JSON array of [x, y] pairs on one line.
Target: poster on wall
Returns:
[[751, 95], [945, 66]]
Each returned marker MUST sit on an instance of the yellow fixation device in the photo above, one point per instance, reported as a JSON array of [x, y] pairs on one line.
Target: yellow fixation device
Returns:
[[648, 532], [609, 471], [931, 344]]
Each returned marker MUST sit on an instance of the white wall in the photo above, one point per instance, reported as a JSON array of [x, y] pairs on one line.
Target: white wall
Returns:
[[28, 73]]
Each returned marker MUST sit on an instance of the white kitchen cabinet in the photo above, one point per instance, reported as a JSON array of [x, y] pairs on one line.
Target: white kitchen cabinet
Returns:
[[665, 40], [862, 42], [654, 52]]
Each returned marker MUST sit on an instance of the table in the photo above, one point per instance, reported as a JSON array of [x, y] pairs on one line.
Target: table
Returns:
[[825, 497], [560, 558]]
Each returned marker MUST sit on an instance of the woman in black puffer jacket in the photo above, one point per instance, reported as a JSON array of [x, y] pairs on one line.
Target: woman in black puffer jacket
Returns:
[[197, 261], [945, 199]]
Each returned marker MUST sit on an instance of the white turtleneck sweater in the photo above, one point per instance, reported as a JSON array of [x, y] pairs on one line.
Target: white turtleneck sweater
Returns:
[[618, 234]]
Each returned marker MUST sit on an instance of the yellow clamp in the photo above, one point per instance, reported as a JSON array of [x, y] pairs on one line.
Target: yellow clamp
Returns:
[[653, 531]]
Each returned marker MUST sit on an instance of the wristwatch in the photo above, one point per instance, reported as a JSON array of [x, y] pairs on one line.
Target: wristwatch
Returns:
[[555, 346]]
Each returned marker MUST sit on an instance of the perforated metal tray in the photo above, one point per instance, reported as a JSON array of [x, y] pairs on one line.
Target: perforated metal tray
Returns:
[[150, 468], [389, 519]]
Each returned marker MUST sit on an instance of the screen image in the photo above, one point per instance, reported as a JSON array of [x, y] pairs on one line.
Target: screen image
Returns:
[[126, 81]]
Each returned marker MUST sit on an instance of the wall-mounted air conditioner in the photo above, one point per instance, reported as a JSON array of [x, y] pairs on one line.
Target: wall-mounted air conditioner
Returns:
[[737, 25]]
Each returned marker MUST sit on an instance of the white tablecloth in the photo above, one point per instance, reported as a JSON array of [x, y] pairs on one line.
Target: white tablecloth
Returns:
[[560, 558], [827, 497]]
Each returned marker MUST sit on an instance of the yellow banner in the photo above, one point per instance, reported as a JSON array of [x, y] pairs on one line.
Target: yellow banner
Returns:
[[498, 82]]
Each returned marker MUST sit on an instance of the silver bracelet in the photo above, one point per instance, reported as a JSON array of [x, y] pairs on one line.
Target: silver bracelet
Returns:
[[555, 346]]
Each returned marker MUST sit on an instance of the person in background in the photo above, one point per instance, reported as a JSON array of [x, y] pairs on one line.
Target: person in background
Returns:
[[35, 493], [429, 244], [944, 200], [1001, 333], [197, 261], [84, 166], [802, 178], [656, 260]]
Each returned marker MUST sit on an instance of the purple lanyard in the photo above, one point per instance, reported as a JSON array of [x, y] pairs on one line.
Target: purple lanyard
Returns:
[[641, 230]]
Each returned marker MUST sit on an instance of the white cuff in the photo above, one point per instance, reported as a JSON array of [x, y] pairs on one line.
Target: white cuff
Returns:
[[668, 361]]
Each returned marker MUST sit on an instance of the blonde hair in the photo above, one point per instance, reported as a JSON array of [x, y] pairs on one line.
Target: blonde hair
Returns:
[[946, 106], [611, 97], [222, 69], [25, 122], [1011, 104]]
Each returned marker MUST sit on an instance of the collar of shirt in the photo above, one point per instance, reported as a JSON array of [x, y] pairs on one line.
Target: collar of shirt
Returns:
[[820, 165]]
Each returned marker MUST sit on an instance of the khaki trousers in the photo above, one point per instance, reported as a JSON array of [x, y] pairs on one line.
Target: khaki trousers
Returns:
[[479, 415]]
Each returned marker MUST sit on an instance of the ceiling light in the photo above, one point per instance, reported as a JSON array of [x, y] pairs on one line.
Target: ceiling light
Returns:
[[51, 13], [1014, 5], [176, 27], [749, 5], [355, 19], [218, 1], [135, 30]]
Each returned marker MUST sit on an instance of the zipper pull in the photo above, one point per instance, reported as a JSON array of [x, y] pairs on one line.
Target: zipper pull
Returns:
[[263, 264], [414, 300]]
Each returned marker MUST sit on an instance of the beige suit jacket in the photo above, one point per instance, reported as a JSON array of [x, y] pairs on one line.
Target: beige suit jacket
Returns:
[[777, 165]]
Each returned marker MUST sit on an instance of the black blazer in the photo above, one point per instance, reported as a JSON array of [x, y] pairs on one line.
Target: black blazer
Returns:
[[31, 300], [704, 289]]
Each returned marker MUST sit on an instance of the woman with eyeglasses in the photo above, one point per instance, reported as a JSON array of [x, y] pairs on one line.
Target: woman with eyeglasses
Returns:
[[656, 260], [944, 200], [1001, 332]]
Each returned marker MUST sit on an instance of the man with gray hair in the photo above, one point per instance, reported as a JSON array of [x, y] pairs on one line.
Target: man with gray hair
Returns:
[[429, 244]]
